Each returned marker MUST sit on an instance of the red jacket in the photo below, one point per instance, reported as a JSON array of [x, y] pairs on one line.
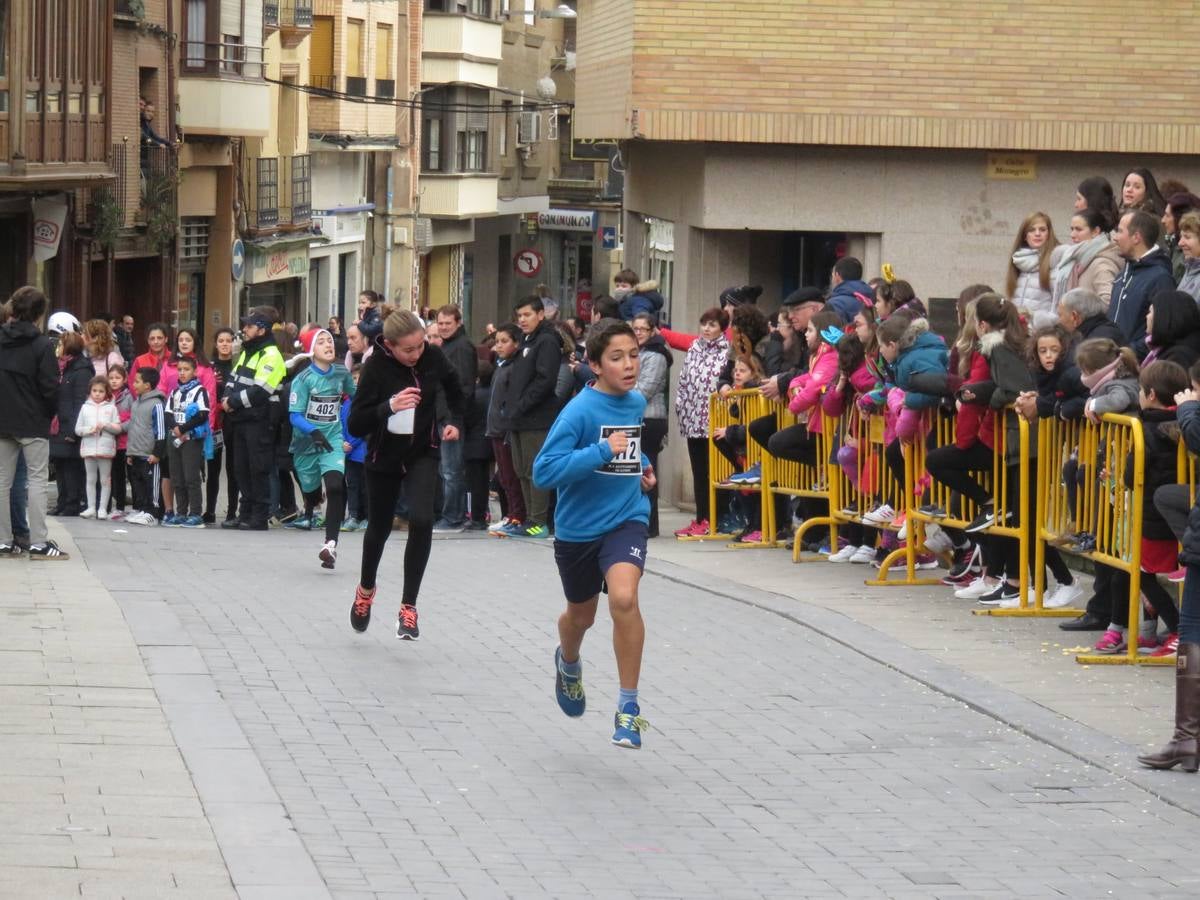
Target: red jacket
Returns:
[[969, 425]]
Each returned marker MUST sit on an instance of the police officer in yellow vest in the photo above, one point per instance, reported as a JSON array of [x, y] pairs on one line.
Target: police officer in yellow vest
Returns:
[[252, 402]]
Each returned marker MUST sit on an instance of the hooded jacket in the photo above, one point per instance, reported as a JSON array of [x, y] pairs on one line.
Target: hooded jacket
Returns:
[[644, 298], [77, 375], [103, 444], [147, 426], [1190, 282], [1009, 376], [28, 381], [806, 390], [920, 351], [843, 301], [1132, 292], [1160, 440], [531, 396], [382, 376], [499, 418], [460, 353], [654, 376], [701, 369]]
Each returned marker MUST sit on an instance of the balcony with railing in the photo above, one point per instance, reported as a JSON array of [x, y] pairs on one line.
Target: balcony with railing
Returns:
[[459, 48], [295, 21], [278, 193], [222, 90], [270, 15]]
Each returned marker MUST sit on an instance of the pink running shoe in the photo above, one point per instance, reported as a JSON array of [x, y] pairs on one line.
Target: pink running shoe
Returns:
[[694, 529], [1178, 575], [1111, 642]]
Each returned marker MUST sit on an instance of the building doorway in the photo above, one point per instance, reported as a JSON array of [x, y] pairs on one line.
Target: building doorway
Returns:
[[807, 258]]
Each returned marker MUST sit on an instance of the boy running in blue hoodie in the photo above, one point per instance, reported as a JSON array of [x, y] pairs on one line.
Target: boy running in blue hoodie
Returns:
[[593, 457]]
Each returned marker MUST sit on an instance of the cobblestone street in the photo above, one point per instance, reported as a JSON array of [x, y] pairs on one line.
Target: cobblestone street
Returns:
[[781, 762]]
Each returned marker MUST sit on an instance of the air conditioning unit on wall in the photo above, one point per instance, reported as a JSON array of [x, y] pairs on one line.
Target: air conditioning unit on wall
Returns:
[[529, 128]]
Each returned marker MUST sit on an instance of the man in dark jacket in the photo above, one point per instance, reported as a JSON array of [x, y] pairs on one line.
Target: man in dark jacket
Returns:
[[460, 352], [28, 401], [534, 376], [1147, 271], [846, 281]]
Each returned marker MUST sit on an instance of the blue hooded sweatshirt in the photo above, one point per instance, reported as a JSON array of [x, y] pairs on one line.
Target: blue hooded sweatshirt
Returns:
[[843, 300], [926, 353], [597, 492]]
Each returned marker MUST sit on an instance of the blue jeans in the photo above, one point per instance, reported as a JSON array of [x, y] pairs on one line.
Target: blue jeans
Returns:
[[19, 499], [1189, 615], [454, 483]]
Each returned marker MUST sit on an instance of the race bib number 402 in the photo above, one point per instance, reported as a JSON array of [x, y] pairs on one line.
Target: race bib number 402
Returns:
[[323, 409], [629, 462]]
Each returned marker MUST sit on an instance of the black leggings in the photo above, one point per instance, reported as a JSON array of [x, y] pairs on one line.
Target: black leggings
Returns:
[[335, 503], [212, 489], [698, 457], [478, 471], [419, 483]]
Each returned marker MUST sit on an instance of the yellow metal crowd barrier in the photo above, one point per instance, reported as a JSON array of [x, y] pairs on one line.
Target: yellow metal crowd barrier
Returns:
[[735, 408], [794, 479], [1085, 462]]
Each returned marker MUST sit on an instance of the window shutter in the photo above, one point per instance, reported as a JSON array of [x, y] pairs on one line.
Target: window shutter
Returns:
[[231, 17]]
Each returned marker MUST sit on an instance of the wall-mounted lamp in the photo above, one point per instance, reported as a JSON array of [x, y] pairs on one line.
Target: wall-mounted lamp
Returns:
[[562, 11]]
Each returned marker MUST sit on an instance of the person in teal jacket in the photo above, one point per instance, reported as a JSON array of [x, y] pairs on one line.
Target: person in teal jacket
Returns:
[[314, 409]]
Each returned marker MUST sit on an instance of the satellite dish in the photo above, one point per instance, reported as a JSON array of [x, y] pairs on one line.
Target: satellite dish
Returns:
[[546, 87]]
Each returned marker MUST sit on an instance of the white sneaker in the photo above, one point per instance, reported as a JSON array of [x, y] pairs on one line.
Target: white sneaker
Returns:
[[101, 515], [976, 589], [902, 534], [880, 515], [328, 555], [936, 540], [499, 526], [88, 514], [1010, 603], [863, 555], [1064, 595], [843, 555]]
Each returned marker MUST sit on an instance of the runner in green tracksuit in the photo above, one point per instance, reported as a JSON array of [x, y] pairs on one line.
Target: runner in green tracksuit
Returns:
[[318, 455]]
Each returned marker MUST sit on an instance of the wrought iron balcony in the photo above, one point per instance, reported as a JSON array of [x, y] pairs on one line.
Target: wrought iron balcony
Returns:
[[278, 192]]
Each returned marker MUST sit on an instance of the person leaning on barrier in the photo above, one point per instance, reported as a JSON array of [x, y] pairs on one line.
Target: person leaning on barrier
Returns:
[[1184, 746], [1085, 316]]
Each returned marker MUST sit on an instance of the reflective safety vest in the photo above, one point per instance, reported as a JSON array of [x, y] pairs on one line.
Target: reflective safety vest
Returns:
[[254, 381]]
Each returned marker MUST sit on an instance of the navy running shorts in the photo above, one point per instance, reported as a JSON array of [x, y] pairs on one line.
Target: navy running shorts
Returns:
[[583, 564]]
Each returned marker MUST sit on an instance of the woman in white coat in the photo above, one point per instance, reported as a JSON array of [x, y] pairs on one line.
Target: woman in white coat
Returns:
[[1028, 284]]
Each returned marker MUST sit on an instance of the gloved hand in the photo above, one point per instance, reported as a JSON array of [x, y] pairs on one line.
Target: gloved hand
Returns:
[[320, 442]]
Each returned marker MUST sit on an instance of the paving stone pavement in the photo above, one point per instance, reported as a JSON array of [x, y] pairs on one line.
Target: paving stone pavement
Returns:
[[782, 761]]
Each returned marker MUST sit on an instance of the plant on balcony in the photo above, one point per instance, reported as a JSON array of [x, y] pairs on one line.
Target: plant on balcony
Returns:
[[106, 218], [159, 190]]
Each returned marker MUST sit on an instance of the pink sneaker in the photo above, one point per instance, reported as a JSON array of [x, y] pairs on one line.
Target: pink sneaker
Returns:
[[1178, 575], [1112, 642], [753, 537], [1147, 644], [1167, 648], [694, 529]]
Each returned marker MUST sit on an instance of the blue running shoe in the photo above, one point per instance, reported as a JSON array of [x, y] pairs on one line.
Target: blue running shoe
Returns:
[[189, 521], [629, 727], [752, 475], [535, 531], [170, 520], [301, 524], [568, 689]]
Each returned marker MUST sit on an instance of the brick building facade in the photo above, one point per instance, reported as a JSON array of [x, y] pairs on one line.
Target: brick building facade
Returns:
[[762, 141]]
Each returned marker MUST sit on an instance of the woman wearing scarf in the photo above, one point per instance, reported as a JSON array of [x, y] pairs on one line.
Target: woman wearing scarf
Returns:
[[1028, 284], [1091, 261]]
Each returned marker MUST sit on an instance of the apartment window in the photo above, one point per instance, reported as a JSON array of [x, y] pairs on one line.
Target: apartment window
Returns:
[[504, 117], [320, 54], [385, 84], [231, 45], [301, 189], [472, 150], [356, 81], [267, 194], [473, 7], [431, 145], [197, 34], [193, 238]]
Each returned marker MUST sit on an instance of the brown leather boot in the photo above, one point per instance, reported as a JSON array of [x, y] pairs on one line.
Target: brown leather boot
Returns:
[[1184, 747]]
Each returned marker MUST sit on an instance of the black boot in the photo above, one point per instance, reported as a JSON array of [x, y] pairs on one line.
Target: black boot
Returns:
[[1183, 748]]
